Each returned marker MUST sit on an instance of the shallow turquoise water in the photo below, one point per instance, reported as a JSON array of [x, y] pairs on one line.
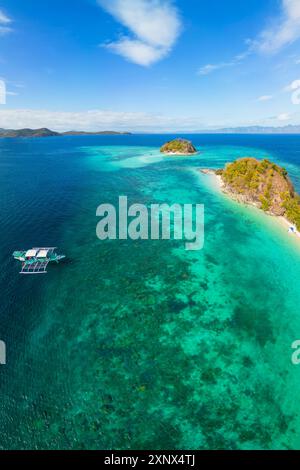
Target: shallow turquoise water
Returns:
[[141, 344]]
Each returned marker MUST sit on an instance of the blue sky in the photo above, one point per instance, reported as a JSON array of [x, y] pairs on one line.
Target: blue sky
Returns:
[[150, 65]]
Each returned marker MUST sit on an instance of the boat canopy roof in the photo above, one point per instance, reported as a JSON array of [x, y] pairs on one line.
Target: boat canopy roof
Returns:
[[30, 253], [42, 254]]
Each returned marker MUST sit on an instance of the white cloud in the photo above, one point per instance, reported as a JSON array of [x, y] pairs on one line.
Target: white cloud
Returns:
[[209, 68], [4, 19], [96, 120], [284, 31], [5, 30], [265, 98], [101, 120], [284, 117], [137, 51], [4, 22], [154, 27], [293, 86]]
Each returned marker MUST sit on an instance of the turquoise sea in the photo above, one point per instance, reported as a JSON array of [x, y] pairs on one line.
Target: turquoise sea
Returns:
[[142, 344]]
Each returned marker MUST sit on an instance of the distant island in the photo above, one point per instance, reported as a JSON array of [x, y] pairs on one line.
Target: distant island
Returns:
[[178, 147], [95, 133], [290, 129], [44, 132], [263, 184]]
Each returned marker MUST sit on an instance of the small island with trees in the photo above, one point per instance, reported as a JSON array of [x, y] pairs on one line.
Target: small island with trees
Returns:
[[263, 184], [178, 147]]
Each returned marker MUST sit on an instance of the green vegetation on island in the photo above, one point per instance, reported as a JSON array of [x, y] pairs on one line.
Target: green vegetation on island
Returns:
[[263, 184], [44, 132], [14, 133], [178, 147]]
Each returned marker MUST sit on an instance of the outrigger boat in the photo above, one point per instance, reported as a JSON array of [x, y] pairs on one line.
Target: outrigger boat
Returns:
[[35, 261]]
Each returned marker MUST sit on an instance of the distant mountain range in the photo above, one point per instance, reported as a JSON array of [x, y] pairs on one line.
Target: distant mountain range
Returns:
[[255, 130], [44, 132], [95, 133]]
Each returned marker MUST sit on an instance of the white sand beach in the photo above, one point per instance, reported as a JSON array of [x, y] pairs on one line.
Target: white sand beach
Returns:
[[218, 184]]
